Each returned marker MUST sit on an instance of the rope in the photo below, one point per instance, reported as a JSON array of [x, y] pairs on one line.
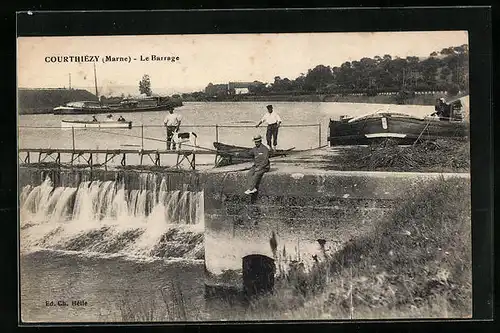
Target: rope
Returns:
[[418, 138], [188, 145], [129, 135], [153, 139]]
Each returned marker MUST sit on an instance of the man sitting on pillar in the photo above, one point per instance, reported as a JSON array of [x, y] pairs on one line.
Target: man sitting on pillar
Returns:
[[261, 164]]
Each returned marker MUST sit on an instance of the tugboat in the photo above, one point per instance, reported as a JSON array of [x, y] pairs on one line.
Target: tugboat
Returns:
[[125, 106], [139, 104]]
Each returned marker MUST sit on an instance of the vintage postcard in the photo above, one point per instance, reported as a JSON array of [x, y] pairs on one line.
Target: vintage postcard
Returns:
[[241, 177]]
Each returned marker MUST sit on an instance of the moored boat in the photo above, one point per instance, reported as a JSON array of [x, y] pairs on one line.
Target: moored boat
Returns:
[[124, 106], [401, 127], [95, 124], [81, 107], [230, 154]]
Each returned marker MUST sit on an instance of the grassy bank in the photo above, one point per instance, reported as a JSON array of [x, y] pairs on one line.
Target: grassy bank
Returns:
[[417, 263], [425, 156], [428, 99]]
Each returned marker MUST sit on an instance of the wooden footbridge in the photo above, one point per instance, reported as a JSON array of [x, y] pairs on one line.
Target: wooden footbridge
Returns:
[[41, 155], [88, 155]]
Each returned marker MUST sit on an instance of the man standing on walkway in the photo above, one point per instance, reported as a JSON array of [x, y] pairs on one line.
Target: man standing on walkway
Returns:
[[261, 164], [172, 123], [273, 121]]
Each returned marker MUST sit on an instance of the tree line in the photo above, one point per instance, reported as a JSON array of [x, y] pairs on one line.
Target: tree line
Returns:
[[446, 70]]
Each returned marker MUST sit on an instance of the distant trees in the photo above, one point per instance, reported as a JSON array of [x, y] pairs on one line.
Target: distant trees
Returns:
[[257, 88], [145, 85], [448, 68], [444, 70]]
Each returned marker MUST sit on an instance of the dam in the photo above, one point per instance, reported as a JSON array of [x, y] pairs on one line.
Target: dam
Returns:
[[302, 213]]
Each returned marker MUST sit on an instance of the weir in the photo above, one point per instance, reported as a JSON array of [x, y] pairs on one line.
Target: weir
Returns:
[[149, 215], [299, 215]]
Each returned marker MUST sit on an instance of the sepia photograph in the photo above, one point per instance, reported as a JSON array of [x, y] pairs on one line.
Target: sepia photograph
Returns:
[[244, 177]]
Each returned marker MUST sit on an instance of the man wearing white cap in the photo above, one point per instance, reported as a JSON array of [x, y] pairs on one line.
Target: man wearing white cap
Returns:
[[273, 121], [172, 123], [260, 166]]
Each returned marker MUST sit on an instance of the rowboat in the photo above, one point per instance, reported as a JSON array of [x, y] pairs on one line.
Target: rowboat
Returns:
[[95, 124], [226, 154], [403, 128]]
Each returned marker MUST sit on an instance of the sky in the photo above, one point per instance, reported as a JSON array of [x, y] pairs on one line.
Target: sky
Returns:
[[207, 58]]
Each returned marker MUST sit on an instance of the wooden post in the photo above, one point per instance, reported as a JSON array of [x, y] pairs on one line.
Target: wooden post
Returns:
[[319, 135], [73, 136], [142, 136], [216, 133]]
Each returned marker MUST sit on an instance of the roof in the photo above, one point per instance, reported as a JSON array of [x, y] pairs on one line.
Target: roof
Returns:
[[241, 84]]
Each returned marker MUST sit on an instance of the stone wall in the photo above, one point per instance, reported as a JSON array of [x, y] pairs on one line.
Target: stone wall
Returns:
[[299, 208]]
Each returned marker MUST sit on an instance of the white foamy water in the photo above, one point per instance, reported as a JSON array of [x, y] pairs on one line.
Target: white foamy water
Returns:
[[103, 216]]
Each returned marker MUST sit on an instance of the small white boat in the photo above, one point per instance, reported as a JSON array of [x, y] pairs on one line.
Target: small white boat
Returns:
[[95, 124]]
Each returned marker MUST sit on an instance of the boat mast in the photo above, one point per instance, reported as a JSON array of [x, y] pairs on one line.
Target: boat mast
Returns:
[[95, 81]]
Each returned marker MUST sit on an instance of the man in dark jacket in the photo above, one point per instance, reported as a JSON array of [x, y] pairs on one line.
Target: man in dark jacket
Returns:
[[442, 109], [261, 164]]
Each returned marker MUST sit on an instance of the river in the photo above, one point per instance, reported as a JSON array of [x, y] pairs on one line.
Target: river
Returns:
[[244, 114]]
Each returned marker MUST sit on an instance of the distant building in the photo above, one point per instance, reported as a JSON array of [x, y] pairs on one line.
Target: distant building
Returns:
[[239, 88], [231, 88], [239, 91]]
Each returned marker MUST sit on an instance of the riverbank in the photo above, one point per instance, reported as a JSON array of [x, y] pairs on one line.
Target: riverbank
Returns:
[[418, 99], [43, 101], [416, 263], [330, 228]]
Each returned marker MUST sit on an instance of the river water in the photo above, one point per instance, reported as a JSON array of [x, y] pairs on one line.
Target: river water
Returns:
[[241, 114], [125, 254], [137, 254]]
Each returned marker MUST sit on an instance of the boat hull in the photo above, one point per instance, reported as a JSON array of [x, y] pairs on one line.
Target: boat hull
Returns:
[[227, 153], [404, 130], [96, 124], [243, 152]]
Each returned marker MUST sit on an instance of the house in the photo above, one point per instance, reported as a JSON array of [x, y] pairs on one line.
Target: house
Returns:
[[238, 88]]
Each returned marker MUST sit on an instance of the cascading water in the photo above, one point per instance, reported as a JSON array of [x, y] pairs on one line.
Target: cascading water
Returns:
[[108, 218]]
